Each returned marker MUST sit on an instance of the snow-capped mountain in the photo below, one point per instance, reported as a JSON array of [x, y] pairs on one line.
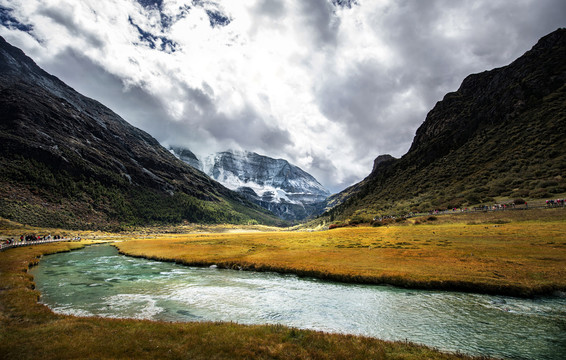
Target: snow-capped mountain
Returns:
[[283, 188]]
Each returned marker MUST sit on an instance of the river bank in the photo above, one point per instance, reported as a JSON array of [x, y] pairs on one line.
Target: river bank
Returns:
[[517, 254], [30, 330]]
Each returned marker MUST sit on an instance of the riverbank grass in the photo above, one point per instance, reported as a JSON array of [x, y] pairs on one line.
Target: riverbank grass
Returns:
[[29, 330], [519, 253]]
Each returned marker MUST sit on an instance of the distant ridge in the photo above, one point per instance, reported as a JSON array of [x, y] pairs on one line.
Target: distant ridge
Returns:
[[69, 161], [500, 136]]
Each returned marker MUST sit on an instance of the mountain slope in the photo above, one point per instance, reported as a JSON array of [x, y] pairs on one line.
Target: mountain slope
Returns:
[[500, 135], [67, 160], [186, 156], [275, 184]]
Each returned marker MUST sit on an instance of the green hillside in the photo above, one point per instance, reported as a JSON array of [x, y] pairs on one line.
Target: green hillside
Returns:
[[500, 137], [68, 161]]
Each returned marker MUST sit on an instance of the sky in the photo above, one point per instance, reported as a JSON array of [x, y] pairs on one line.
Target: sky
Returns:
[[326, 84]]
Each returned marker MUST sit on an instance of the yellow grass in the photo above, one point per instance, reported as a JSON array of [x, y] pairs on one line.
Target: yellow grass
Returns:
[[517, 258], [518, 253], [29, 330]]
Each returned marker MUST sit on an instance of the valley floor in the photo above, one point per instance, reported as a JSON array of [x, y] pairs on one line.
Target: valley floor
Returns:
[[29, 330], [518, 253]]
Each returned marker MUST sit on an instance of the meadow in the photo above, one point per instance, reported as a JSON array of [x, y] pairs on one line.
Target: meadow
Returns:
[[519, 253], [29, 330], [515, 252]]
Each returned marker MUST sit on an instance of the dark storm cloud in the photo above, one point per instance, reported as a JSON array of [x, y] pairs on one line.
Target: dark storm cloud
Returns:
[[73, 24], [435, 45], [324, 170], [246, 129], [133, 104], [364, 100]]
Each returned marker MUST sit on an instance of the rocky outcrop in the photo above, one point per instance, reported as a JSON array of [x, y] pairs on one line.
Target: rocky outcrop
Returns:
[[382, 160]]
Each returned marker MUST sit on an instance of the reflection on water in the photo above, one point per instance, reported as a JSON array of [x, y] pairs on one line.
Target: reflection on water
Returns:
[[97, 281]]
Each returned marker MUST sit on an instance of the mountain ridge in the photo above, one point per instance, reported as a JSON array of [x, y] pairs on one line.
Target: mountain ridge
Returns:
[[498, 136], [69, 161]]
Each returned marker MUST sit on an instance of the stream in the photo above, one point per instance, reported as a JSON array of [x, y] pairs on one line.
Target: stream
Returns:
[[97, 281]]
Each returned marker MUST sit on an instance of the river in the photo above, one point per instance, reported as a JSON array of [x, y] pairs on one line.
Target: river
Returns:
[[97, 281]]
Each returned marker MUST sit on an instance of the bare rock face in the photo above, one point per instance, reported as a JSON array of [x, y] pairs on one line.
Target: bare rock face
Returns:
[[492, 98], [381, 160]]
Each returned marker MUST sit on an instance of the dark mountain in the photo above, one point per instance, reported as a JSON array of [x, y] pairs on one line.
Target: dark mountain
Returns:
[[500, 136], [67, 160]]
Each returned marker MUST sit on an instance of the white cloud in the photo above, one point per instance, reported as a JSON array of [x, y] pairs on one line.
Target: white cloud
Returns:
[[327, 87]]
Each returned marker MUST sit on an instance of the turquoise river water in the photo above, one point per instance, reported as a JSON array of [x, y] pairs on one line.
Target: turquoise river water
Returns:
[[97, 281]]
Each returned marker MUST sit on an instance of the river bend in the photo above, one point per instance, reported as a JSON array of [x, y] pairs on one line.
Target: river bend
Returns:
[[97, 281]]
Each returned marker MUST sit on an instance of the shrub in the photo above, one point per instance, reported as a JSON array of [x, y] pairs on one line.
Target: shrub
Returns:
[[473, 198], [521, 193], [547, 183], [336, 225], [539, 193], [556, 190]]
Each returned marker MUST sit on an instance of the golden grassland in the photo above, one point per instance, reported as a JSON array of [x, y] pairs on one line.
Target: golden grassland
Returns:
[[29, 330], [520, 253]]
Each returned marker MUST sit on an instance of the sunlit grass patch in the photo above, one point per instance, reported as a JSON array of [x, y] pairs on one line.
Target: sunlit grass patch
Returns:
[[493, 256]]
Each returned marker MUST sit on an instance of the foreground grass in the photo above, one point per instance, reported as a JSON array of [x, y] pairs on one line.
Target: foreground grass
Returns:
[[519, 253], [29, 330]]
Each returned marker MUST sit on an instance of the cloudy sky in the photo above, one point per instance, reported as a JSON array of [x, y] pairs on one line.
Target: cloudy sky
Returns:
[[326, 84]]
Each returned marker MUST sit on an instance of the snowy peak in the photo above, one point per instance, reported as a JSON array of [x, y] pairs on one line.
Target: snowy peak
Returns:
[[242, 168], [283, 188], [187, 156]]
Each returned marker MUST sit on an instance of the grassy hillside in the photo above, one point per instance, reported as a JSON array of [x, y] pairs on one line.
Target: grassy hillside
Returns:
[[69, 161], [500, 137]]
